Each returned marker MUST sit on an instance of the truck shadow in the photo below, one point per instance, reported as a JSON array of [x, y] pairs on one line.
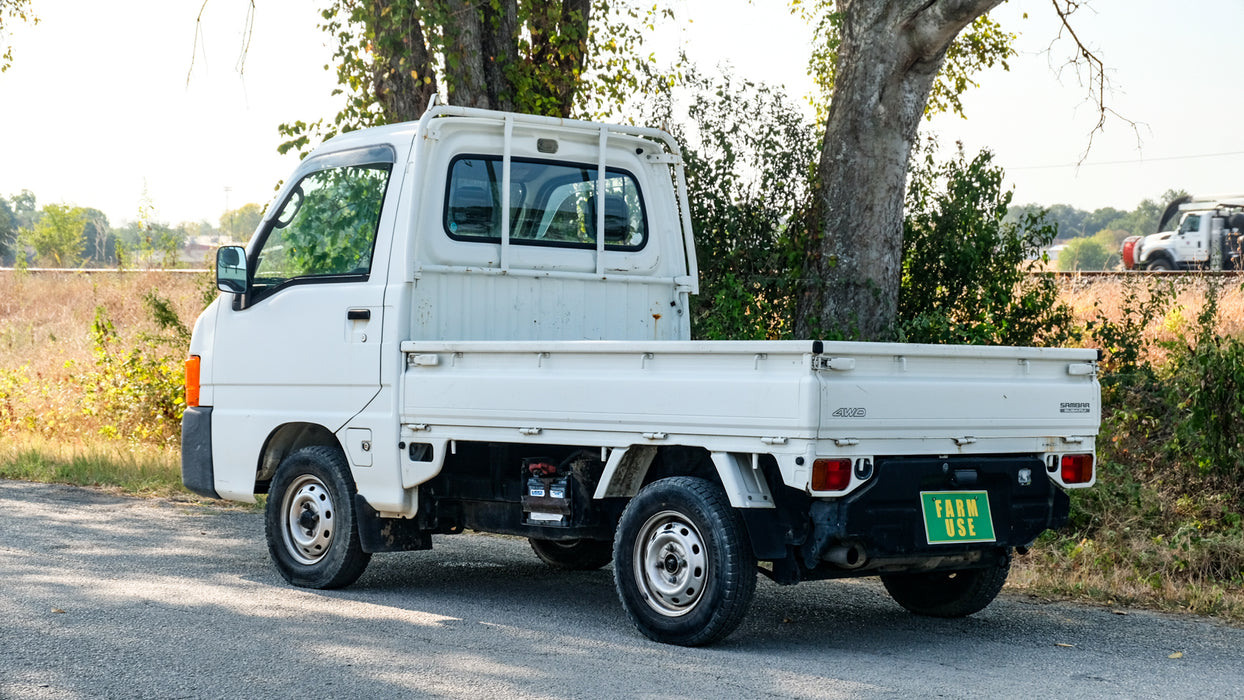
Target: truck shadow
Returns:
[[491, 598]]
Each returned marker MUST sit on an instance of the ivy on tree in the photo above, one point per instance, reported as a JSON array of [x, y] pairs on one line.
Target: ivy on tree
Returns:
[[553, 58]]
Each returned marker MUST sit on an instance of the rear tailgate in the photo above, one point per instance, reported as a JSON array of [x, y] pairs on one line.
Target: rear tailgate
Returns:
[[953, 397]]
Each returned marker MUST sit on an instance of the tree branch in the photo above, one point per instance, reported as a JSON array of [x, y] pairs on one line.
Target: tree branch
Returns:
[[936, 23], [1098, 83], [247, 31]]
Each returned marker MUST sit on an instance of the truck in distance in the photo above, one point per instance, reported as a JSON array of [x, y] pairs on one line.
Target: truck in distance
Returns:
[[1206, 236]]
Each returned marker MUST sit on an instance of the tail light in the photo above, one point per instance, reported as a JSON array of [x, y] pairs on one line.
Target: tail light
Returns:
[[1077, 469], [192, 381], [831, 474]]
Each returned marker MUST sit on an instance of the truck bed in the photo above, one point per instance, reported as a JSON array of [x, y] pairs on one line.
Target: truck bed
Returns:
[[917, 399]]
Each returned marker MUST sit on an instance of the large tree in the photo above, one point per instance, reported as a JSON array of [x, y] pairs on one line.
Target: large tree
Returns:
[[240, 223], [884, 58], [888, 57], [57, 236], [514, 55]]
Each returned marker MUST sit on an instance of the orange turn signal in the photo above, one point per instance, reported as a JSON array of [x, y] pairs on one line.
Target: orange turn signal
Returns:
[[192, 381]]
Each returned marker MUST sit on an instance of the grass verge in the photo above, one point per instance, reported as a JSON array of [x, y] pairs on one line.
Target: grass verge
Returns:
[[119, 467], [1049, 571]]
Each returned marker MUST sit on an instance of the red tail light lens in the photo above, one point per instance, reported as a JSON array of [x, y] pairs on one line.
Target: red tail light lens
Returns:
[[831, 474], [1077, 469]]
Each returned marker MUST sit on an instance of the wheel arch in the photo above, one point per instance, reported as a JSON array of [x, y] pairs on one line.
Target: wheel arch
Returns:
[[743, 477], [1163, 256], [286, 439]]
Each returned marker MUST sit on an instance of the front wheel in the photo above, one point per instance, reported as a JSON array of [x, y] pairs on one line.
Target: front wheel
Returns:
[[1161, 265], [310, 521], [683, 565], [948, 593]]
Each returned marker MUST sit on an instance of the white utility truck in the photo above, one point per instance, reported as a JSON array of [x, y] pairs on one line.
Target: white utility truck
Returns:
[[1207, 237], [479, 321]]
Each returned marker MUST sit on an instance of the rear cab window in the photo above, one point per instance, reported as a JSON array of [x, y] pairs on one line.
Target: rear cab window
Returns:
[[551, 204]]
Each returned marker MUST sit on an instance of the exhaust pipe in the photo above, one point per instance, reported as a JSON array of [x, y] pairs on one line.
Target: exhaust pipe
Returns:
[[848, 556]]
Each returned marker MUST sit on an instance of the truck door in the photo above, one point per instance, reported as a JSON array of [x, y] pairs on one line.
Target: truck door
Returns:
[[1190, 240], [302, 345]]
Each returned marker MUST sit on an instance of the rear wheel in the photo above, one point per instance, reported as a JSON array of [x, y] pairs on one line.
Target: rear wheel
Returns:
[[310, 521], [683, 567], [948, 593], [576, 555]]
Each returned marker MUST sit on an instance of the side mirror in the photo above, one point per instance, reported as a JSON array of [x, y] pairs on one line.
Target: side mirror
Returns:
[[231, 273]]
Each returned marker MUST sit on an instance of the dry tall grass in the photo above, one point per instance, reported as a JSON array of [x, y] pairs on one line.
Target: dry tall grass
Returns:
[[1091, 297], [46, 346]]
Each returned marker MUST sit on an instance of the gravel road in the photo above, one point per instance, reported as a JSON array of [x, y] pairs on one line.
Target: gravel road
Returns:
[[112, 597]]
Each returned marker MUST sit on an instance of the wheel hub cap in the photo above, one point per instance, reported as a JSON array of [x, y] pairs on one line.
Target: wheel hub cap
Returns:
[[308, 509], [672, 565]]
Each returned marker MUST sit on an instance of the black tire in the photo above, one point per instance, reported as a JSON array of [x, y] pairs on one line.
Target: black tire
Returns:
[[948, 593], [575, 555], [683, 566], [310, 522], [1161, 265]]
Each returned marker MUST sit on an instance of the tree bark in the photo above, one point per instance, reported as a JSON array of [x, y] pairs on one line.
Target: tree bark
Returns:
[[559, 39], [500, 53], [464, 66], [889, 55], [405, 80]]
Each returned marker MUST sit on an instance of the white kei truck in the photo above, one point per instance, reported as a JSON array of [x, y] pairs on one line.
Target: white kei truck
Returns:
[[479, 321]]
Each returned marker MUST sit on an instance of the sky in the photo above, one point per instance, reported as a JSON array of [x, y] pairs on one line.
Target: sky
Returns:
[[105, 107]]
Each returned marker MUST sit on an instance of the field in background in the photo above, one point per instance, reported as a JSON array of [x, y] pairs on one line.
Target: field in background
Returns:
[[1144, 537], [1090, 297]]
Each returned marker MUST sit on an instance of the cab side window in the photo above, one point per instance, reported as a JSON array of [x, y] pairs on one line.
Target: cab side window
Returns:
[[326, 228]]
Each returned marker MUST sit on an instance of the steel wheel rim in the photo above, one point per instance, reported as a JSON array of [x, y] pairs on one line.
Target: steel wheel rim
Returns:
[[307, 512], [671, 566]]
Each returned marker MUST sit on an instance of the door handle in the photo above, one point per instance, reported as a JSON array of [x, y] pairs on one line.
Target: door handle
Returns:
[[358, 315]]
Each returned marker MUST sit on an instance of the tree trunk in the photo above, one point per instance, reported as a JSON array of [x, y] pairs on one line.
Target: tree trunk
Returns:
[[559, 35], [464, 65], [500, 53], [403, 78], [889, 55]]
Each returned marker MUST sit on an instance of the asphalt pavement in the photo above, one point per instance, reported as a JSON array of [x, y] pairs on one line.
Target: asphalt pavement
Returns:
[[104, 596]]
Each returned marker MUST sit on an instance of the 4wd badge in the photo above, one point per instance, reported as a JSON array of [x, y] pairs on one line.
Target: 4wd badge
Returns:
[[855, 412]]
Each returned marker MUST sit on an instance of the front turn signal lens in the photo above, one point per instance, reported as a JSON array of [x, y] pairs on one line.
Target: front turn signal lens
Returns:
[[831, 474], [1077, 469], [192, 381]]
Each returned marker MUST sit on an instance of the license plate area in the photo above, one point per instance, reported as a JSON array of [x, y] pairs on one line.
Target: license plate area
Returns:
[[954, 517]]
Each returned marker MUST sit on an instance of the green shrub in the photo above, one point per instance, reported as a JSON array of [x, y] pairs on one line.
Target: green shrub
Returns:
[[1207, 378], [139, 391], [1167, 506], [966, 270], [1086, 254]]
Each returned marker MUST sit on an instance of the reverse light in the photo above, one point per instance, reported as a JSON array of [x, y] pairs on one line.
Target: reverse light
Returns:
[[831, 474], [192, 381], [1077, 469]]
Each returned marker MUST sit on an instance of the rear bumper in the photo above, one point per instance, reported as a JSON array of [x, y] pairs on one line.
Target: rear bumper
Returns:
[[882, 527], [197, 472]]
